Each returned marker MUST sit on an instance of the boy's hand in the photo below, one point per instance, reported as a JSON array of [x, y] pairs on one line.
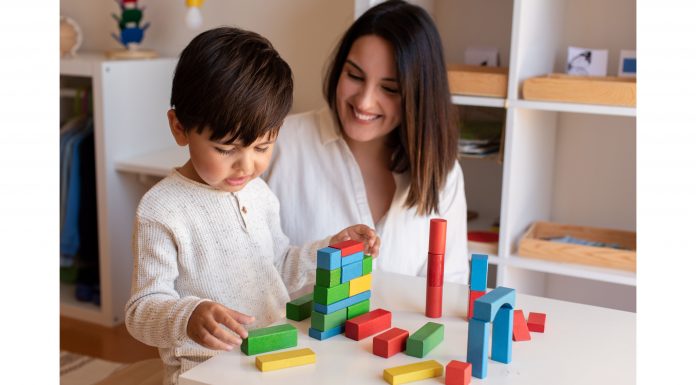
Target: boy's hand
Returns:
[[360, 233], [204, 326]]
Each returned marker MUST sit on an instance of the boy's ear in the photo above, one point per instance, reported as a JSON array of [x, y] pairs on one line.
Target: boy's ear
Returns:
[[177, 129]]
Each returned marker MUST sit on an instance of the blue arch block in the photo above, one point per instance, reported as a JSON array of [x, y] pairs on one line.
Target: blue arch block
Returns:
[[486, 307]]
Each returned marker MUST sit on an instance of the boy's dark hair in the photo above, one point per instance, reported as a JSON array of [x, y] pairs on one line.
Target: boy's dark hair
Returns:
[[425, 143], [234, 83]]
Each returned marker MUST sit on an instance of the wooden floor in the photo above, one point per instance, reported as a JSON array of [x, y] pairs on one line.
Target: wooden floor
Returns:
[[112, 344]]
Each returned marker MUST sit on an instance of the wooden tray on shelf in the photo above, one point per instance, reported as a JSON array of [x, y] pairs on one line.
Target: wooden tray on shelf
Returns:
[[477, 81], [534, 244], [607, 90]]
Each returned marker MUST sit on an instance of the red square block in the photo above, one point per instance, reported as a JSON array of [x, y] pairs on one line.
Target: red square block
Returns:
[[390, 342], [520, 331], [368, 324], [458, 373], [536, 322], [348, 247], [473, 296]]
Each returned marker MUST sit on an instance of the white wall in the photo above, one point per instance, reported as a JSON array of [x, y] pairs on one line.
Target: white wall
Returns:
[[303, 31]]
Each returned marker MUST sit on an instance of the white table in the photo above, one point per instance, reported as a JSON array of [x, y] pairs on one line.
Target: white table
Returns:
[[582, 345]]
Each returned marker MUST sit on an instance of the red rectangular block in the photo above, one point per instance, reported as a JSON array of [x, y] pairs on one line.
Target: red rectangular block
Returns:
[[368, 324], [536, 322], [348, 247], [458, 373], [390, 342], [473, 296], [433, 302], [520, 331]]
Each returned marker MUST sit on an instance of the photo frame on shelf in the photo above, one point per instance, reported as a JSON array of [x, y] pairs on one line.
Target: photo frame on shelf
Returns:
[[482, 56], [627, 63], [587, 61]]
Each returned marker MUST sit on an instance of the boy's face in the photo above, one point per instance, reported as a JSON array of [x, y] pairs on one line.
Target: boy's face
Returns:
[[226, 167]]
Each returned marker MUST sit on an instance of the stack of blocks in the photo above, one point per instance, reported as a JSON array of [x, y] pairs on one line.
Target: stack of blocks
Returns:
[[343, 287]]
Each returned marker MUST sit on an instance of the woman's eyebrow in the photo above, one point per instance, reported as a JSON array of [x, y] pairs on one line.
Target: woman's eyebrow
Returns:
[[362, 71]]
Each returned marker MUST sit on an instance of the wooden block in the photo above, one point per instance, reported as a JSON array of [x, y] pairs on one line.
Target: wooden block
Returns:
[[501, 349], [486, 307], [322, 335], [425, 339], [479, 272], [282, 360], [329, 295], [436, 269], [608, 90], [299, 309], [352, 271], [412, 372], [438, 236], [342, 304], [520, 331], [352, 258], [473, 296], [536, 322], [360, 284], [329, 258], [390, 342], [367, 265], [477, 347], [433, 302], [269, 339], [359, 308], [368, 324], [348, 247], [458, 373], [328, 278], [477, 80], [324, 322]]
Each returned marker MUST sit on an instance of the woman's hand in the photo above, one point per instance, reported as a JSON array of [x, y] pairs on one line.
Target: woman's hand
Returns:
[[361, 233], [204, 326]]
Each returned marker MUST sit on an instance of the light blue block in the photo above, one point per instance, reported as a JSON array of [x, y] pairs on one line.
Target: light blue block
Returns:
[[322, 335], [477, 347], [348, 259], [329, 258], [501, 350], [352, 271], [342, 304], [479, 272], [486, 307]]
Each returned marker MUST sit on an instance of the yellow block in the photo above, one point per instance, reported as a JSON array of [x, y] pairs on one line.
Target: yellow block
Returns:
[[412, 372], [360, 284], [282, 360]]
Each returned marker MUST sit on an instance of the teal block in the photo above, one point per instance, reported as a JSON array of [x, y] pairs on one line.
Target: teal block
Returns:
[[477, 347], [329, 258], [352, 258], [322, 335], [342, 304], [479, 272], [352, 271], [486, 307], [501, 350]]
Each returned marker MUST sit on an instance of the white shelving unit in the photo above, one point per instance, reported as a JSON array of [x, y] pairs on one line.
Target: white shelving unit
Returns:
[[130, 100]]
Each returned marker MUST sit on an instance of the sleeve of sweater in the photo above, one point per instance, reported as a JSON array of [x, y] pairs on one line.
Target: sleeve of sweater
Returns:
[[155, 313]]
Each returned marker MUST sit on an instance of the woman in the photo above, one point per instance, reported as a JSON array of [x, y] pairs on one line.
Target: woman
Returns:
[[384, 151]]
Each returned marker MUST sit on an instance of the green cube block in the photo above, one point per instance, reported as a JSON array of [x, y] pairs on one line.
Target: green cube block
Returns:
[[300, 308], [358, 309], [329, 295], [269, 339], [324, 322], [420, 343], [328, 278], [367, 265]]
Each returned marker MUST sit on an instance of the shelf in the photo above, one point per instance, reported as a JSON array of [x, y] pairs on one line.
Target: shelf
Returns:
[[569, 269], [481, 101], [159, 163], [83, 64], [71, 307], [574, 107]]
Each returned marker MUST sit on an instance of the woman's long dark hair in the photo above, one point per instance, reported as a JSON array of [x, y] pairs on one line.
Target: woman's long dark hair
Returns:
[[425, 144]]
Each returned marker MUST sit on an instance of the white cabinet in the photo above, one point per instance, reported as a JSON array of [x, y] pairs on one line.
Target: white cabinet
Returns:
[[130, 101]]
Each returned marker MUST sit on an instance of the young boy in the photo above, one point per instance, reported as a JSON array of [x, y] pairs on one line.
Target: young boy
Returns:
[[210, 256]]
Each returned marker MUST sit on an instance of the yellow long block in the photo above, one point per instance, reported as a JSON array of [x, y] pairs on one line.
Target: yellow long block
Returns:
[[282, 360], [359, 285], [412, 372]]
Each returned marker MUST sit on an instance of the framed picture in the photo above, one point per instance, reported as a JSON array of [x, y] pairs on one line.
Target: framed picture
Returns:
[[587, 62], [627, 63]]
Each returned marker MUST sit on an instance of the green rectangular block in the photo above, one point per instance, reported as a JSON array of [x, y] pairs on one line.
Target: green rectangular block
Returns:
[[358, 309], [269, 339], [329, 295], [300, 308], [324, 322], [420, 343], [367, 265], [328, 278]]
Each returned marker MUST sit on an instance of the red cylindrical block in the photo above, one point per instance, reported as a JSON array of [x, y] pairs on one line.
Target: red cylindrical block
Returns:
[[438, 236], [436, 269], [433, 302]]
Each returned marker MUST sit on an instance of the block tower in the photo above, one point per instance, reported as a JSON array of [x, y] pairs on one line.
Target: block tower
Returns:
[[342, 291], [436, 267], [478, 280]]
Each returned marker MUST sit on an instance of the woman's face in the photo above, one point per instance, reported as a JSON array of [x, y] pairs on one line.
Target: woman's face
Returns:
[[368, 96]]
